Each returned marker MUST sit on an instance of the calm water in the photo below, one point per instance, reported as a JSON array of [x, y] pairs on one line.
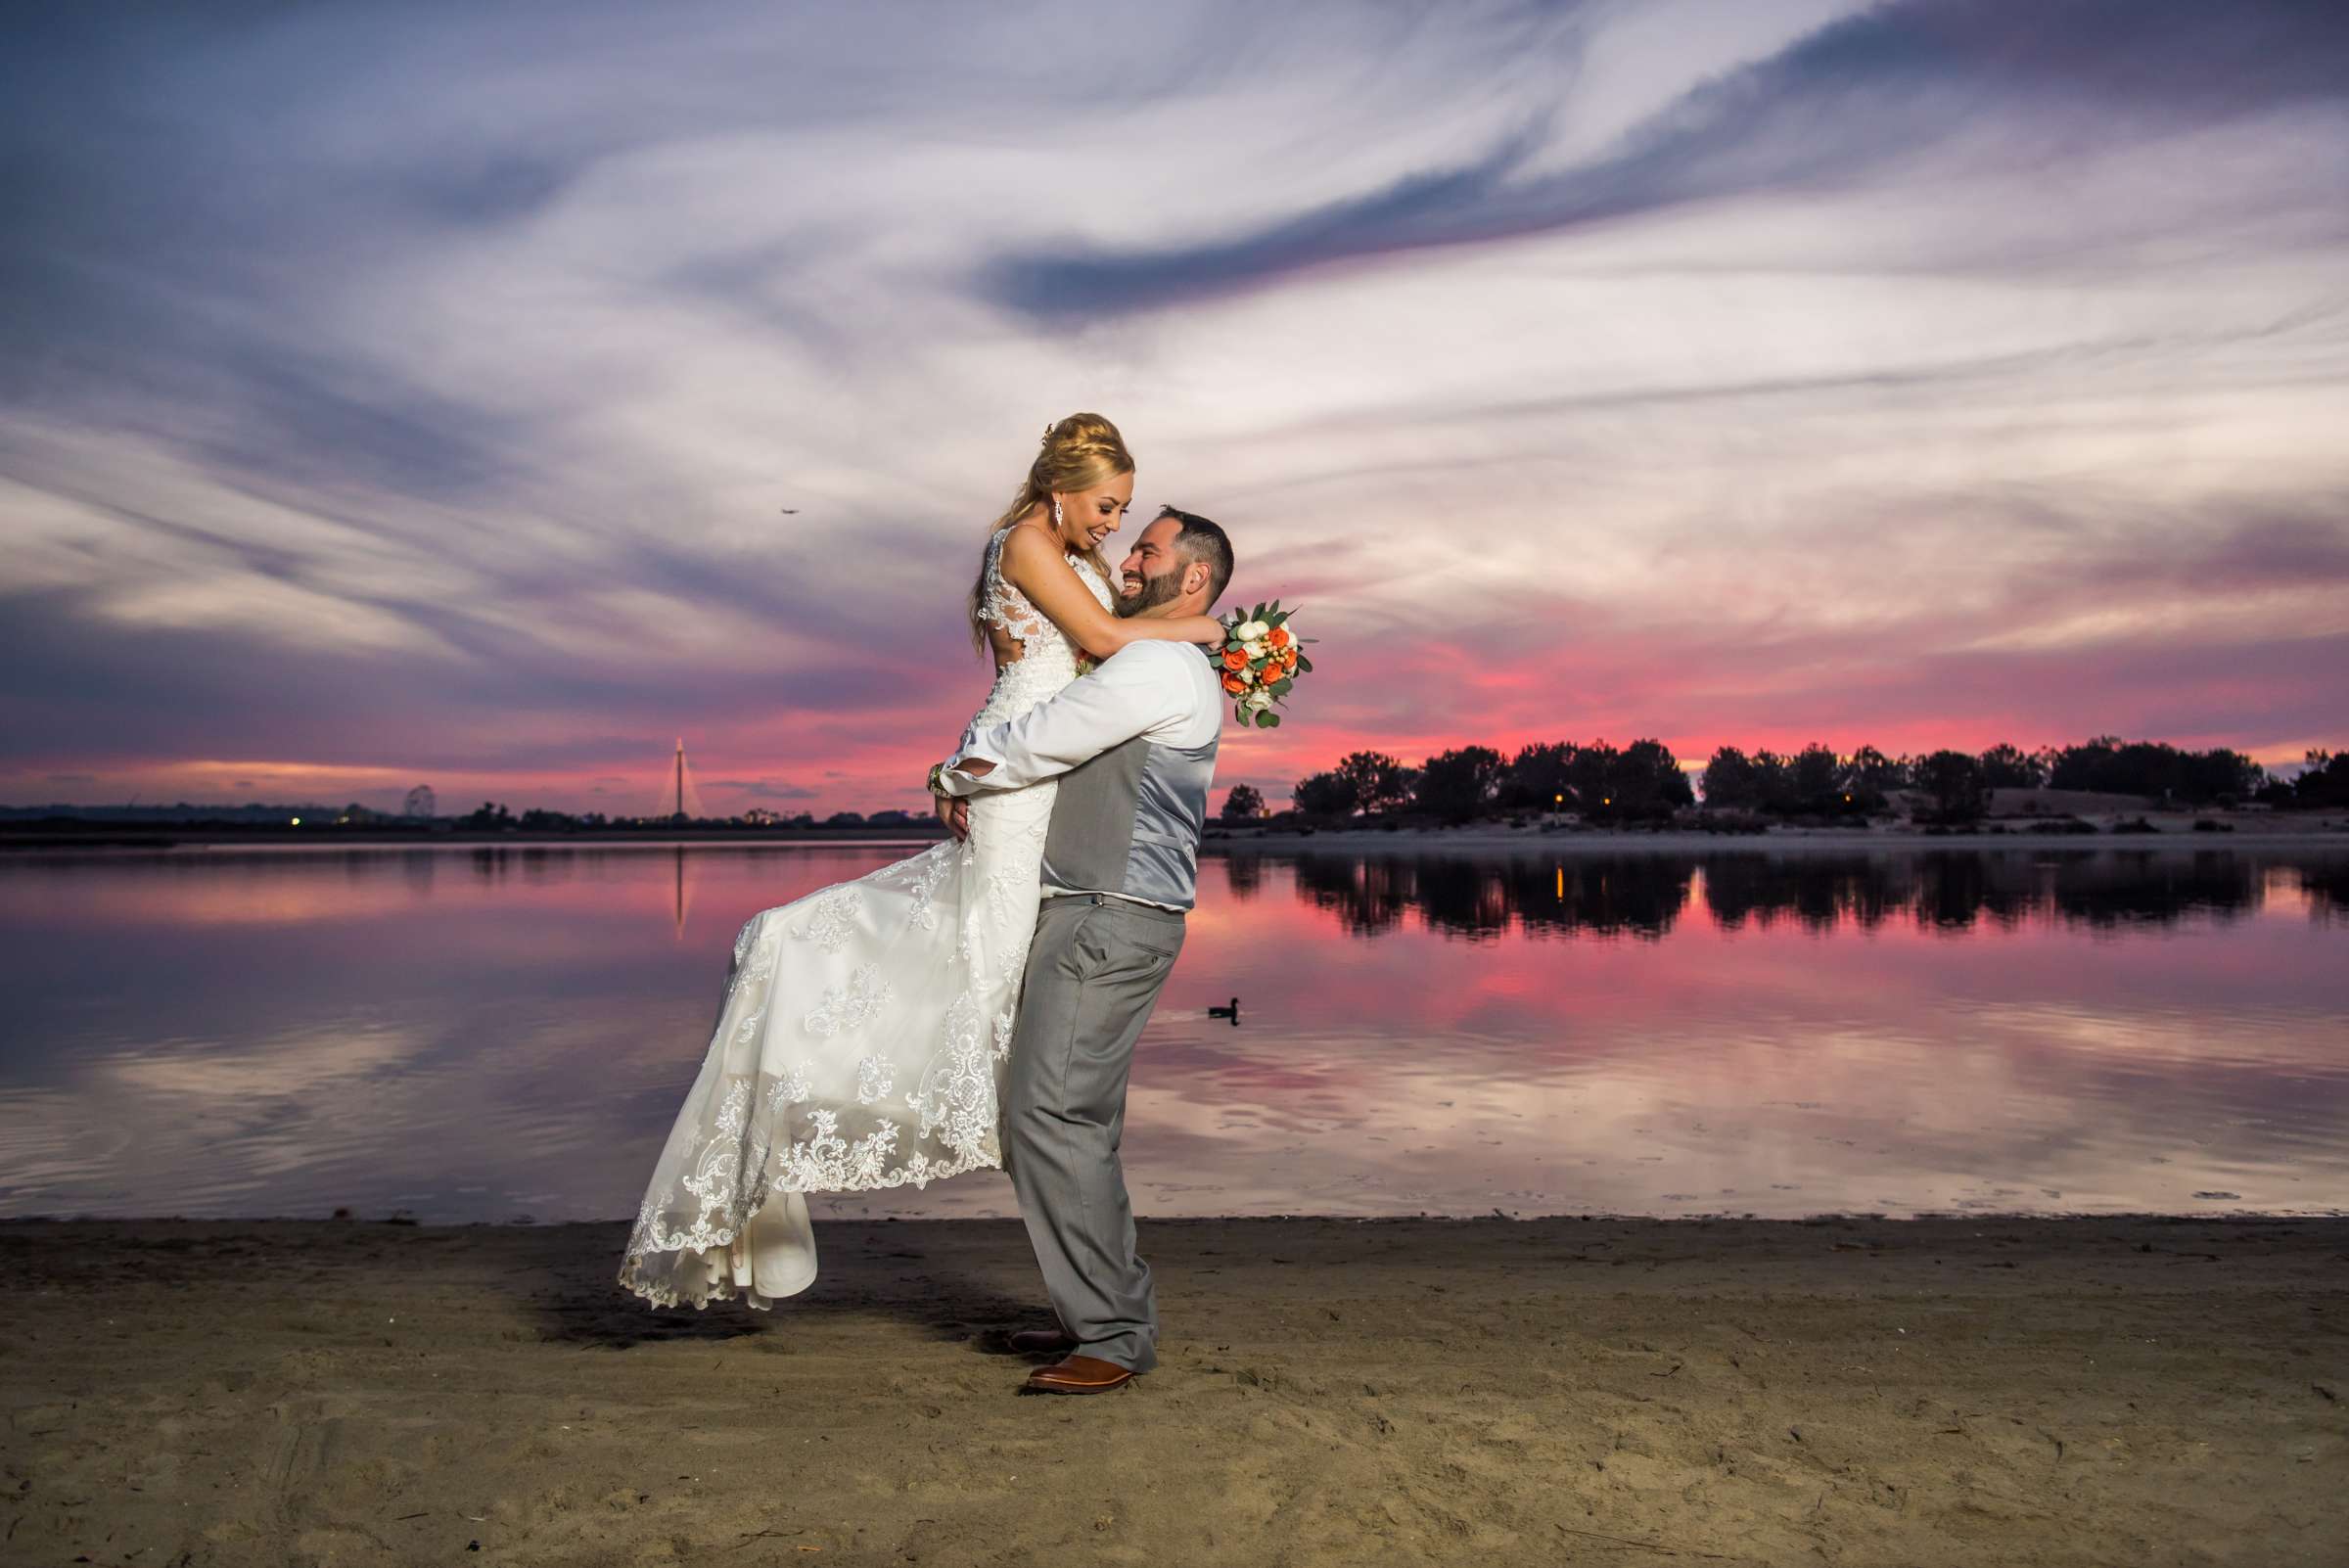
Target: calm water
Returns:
[[489, 1032]]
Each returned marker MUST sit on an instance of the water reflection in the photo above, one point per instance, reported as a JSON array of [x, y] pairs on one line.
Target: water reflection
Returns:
[[1644, 895], [476, 1033]]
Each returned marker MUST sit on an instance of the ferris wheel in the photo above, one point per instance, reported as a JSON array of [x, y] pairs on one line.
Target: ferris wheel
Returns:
[[421, 801]]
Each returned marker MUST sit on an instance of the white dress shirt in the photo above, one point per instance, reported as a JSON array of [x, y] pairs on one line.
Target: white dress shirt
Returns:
[[1165, 691]]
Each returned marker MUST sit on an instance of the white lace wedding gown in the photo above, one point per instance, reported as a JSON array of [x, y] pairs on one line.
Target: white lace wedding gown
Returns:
[[864, 1029]]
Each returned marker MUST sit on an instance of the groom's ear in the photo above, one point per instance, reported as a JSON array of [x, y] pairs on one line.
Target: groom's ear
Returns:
[[1196, 576]]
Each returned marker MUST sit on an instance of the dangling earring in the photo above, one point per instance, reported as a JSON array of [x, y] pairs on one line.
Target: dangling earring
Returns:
[[1056, 511]]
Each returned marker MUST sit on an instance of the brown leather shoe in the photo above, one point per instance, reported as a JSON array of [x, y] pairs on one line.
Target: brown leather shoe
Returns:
[[1043, 1342], [1080, 1375]]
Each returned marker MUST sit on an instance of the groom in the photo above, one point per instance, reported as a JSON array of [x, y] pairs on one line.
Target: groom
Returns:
[[1133, 746]]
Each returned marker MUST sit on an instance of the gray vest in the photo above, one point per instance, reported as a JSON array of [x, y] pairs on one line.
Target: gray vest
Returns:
[[1129, 821]]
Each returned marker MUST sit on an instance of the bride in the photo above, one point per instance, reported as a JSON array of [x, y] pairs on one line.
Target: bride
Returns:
[[864, 1027]]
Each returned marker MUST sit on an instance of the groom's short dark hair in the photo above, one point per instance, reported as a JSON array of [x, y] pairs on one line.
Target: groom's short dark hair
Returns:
[[1201, 541]]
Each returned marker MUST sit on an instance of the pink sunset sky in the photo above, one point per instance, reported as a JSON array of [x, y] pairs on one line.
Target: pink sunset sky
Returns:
[[413, 395]]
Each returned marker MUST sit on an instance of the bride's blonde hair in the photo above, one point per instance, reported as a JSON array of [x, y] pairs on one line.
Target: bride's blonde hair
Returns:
[[1079, 452]]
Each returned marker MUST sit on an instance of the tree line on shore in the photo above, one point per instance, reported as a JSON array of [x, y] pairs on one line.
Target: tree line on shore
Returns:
[[1645, 782], [495, 816], [490, 816]]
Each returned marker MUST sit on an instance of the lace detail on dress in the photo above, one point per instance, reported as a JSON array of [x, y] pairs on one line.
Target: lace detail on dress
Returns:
[[829, 1162], [1006, 607], [1047, 658], [830, 920], [849, 1006], [925, 891], [903, 985]]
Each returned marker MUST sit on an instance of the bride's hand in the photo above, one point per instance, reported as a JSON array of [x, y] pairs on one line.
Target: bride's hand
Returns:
[[1205, 630]]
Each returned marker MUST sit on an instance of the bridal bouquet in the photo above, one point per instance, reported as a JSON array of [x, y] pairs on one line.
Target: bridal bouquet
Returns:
[[1261, 660]]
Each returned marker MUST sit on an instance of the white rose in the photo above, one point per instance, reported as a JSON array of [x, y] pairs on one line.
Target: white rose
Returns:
[[1253, 650], [1258, 698], [1251, 631]]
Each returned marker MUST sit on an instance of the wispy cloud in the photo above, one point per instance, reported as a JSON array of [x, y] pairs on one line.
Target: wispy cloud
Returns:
[[397, 394], [1943, 91]]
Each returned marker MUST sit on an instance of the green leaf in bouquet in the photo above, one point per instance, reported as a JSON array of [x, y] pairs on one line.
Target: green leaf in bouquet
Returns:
[[1305, 665], [1269, 719], [1280, 687]]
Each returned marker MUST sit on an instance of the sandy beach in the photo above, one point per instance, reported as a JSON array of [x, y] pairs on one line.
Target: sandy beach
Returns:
[[1853, 1391]]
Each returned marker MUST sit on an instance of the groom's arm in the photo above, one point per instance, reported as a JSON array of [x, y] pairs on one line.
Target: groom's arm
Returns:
[[1124, 696]]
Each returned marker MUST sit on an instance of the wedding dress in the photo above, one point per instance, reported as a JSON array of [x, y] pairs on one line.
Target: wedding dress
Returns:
[[864, 1027]]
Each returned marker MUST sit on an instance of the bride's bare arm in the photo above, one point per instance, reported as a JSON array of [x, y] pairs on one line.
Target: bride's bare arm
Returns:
[[1039, 569]]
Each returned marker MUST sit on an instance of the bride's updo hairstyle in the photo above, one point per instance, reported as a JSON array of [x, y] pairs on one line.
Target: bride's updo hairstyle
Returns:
[[1081, 451]]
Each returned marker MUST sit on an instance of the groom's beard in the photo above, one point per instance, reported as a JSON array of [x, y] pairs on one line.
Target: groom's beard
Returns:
[[1154, 591]]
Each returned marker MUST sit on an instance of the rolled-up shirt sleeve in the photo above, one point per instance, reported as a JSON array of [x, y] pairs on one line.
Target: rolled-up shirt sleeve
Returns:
[[1125, 696]]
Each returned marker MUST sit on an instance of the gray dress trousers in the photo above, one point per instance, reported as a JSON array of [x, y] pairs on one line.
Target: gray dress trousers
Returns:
[[1094, 970]]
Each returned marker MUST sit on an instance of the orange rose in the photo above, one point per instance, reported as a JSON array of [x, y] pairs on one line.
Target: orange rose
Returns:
[[1235, 658], [1278, 636], [1235, 685]]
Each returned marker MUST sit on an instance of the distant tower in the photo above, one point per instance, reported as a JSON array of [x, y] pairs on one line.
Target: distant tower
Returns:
[[679, 801], [421, 801]]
